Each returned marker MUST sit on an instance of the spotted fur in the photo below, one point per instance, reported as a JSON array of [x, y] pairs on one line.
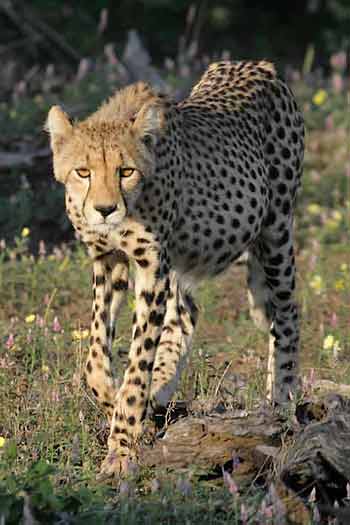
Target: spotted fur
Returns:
[[181, 190]]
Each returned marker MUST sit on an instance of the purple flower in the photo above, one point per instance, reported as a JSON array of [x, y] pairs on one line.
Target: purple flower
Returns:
[[56, 327]]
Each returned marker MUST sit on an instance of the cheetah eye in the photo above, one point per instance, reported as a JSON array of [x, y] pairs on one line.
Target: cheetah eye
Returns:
[[83, 172], [126, 172]]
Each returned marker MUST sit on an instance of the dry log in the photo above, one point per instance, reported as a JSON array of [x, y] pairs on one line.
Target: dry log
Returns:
[[249, 440], [312, 453], [320, 458]]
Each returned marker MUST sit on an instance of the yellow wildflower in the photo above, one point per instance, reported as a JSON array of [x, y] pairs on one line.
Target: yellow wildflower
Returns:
[[25, 232], [2, 441], [316, 284], [339, 285], [45, 368], [320, 97], [314, 209], [336, 215], [328, 342], [343, 267], [30, 318], [78, 335]]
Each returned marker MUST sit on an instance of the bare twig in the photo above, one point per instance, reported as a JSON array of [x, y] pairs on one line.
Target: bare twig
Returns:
[[25, 159]]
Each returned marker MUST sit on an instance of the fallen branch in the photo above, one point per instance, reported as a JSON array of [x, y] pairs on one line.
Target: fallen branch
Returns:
[[22, 159], [260, 444], [250, 439]]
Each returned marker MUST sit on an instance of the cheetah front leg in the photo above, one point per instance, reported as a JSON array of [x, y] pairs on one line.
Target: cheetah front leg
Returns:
[[174, 345], [151, 290], [110, 283]]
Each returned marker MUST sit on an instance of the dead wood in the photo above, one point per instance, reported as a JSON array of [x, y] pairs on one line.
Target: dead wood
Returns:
[[319, 457], [9, 160], [314, 452], [248, 439]]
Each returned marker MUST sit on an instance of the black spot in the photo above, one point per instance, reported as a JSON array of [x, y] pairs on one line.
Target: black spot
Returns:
[[148, 297], [89, 367], [131, 400], [282, 188], [281, 133], [148, 344], [286, 208], [218, 243], [284, 239], [131, 420], [105, 350], [100, 279], [160, 298], [273, 173], [144, 263], [156, 318], [270, 149], [143, 365], [286, 153], [283, 296], [137, 332], [120, 285], [275, 261], [232, 239]]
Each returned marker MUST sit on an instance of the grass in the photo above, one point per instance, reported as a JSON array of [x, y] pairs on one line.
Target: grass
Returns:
[[53, 436]]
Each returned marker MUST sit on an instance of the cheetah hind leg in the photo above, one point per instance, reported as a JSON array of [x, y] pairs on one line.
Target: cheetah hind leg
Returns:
[[271, 282], [261, 310]]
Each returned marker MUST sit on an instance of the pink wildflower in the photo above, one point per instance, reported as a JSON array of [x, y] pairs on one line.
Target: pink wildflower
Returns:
[[40, 321], [10, 341], [338, 60], [230, 483], [56, 326], [333, 320]]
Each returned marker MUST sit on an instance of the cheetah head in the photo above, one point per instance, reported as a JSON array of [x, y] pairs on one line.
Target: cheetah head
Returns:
[[104, 160]]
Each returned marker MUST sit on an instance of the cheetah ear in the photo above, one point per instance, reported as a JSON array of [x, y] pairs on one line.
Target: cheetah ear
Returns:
[[149, 123], [58, 126]]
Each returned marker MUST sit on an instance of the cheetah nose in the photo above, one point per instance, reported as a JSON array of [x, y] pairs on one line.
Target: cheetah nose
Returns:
[[106, 210]]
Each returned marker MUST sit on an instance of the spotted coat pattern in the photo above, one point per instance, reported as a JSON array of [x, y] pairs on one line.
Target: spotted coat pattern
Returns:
[[181, 190]]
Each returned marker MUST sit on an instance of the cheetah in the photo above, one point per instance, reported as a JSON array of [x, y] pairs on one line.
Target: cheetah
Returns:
[[181, 190]]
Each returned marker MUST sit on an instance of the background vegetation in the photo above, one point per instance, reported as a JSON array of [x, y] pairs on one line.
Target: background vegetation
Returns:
[[52, 437]]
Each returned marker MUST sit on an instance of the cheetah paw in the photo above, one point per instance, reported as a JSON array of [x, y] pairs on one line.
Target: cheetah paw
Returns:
[[116, 465]]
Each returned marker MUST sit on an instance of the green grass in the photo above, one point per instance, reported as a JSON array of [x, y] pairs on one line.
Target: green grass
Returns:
[[55, 436]]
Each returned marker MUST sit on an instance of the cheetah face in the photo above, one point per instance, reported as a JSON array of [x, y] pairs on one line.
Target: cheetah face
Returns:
[[103, 165]]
